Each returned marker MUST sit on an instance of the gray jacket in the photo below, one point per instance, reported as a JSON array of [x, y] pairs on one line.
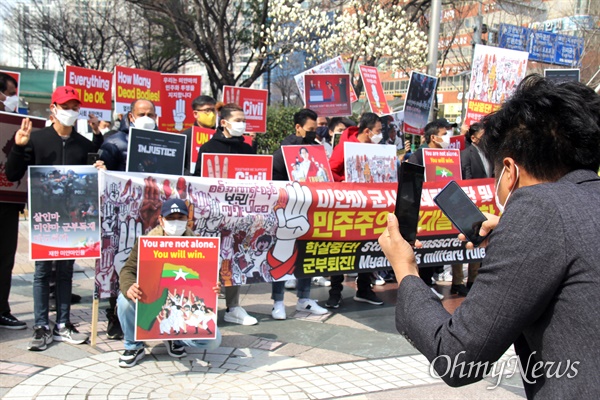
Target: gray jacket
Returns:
[[538, 288]]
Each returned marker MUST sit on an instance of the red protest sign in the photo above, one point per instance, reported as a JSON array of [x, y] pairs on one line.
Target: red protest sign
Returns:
[[374, 90], [307, 164], [254, 104], [328, 94], [237, 166], [94, 89], [442, 165], [136, 84], [178, 93], [457, 142], [200, 136]]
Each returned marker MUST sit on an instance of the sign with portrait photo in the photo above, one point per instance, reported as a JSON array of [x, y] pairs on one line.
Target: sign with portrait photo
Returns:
[[307, 164], [328, 94]]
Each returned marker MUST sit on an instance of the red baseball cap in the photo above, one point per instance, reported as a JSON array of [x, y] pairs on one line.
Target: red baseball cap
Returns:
[[62, 94]]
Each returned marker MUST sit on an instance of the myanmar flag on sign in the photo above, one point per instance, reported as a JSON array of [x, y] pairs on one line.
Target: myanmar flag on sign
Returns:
[[175, 275], [443, 172]]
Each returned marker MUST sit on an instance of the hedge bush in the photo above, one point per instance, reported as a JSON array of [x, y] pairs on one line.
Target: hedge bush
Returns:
[[280, 123]]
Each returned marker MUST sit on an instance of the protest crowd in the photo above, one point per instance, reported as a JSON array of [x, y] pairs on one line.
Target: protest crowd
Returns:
[[536, 287]]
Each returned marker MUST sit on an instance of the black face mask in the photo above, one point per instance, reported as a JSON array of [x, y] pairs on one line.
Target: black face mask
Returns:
[[309, 137]]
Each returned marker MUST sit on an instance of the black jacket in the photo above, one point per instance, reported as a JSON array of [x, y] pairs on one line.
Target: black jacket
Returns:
[[114, 150], [46, 147], [279, 169], [472, 164], [221, 144]]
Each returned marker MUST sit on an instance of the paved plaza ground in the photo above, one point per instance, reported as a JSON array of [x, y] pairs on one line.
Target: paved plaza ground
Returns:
[[354, 352]]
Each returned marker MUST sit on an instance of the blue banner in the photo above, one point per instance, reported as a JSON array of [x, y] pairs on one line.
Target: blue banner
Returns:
[[568, 50], [513, 37], [541, 46]]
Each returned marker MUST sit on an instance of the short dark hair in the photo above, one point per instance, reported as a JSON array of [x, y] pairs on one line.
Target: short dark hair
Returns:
[[335, 121], [225, 110], [368, 121], [202, 101], [303, 115], [431, 129], [473, 129], [4, 79], [547, 128]]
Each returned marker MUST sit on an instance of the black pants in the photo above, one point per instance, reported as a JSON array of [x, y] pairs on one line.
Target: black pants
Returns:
[[9, 216], [363, 284]]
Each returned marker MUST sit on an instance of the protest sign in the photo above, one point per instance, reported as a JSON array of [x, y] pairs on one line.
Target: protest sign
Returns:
[[137, 84], [418, 102], [307, 164], [370, 163], [178, 92], [442, 165], [457, 142], [254, 104], [155, 152], [333, 66], [10, 123], [237, 166], [328, 94], [94, 89], [63, 206], [496, 74], [273, 230], [176, 276], [374, 90], [200, 135]]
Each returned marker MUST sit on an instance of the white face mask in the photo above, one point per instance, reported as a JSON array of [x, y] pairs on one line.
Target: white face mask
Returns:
[[496, 198], [174, 228], [11, 103], [445, 143], [66, 117], [376, 138], [104, 130], [237, 128], [144, 122]]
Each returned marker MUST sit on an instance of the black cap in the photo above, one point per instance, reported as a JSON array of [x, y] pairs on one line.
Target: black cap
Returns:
[[173, 206], [445, 123]]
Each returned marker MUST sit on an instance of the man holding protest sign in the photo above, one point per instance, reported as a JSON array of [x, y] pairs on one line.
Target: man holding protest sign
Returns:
[[57, 144], [172, 222], [205, 112]]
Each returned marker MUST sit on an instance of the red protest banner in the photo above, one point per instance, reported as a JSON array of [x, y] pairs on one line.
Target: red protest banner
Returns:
[[374, 90], [176, 276], [457, 142], [178, 93], [328, 94], [254, 104], [94, 89], [136, 84], [442, 165], [237, 166], [200, 136]]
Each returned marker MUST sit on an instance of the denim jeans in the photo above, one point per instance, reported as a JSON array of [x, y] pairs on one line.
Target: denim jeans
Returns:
[[41, 291], [302, 289], [126, 313]]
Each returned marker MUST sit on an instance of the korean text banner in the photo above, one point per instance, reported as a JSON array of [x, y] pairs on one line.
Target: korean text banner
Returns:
[[237, 166], [10, 123], [418, 102], [176, 276], [155, 151], [374, 90], [254, 104], [136, 84], [178, 93], [270, 230], [94, 89], [333, 66], [328, 94], [64, 214], [496, 74], [442, 165]]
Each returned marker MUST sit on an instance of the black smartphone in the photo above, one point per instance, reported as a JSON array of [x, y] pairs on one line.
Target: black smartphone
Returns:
[[408, 199], [92, 158], [461, 211]]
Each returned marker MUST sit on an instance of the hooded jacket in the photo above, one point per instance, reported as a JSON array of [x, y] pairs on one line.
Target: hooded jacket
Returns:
[[114, 150], [221, 144], [279, 169]]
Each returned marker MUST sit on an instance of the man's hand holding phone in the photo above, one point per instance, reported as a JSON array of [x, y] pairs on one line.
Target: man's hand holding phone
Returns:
[[484, 231]]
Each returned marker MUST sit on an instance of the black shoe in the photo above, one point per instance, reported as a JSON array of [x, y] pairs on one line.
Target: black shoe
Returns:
[[52, 305], [75, 298], [42, 337], [368, 297], [333, 302], [460, 290], [131, 357], [175, 350], [113, 329], [8, 321]]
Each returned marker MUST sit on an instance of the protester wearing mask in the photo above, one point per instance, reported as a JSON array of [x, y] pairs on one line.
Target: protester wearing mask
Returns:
[[436, 137], [57, 144], [228, 139], [9, 101], [205, 116], [114, 150], [369, 130], [173, 222]]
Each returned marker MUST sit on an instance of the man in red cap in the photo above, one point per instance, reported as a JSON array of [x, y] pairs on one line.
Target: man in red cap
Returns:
[[57, 144]]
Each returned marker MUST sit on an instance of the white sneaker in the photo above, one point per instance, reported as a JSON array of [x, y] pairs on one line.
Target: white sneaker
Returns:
[[321, 281], [278, 310], [311, 306], [439, 295], [378, 280], [237, 315], [290, 284]]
